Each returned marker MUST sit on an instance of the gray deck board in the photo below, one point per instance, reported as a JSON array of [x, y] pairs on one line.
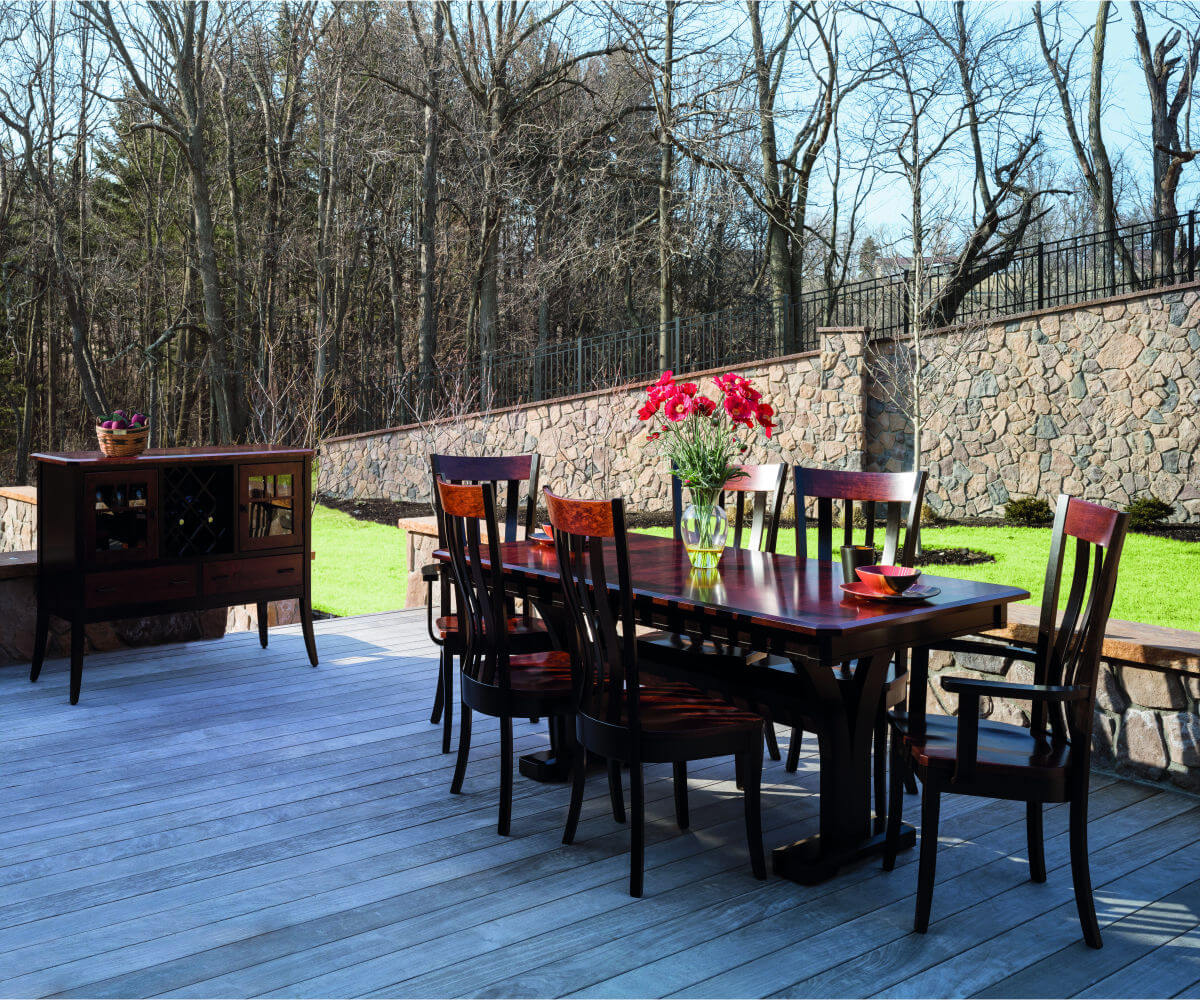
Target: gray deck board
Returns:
[[214, 819]]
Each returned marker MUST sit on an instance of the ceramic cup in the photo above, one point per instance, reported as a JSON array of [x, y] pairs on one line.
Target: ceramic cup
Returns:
[[854, 556]]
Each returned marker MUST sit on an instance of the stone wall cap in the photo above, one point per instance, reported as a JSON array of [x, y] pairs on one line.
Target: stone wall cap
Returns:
[[419, 525], [1155, 647], [25, 494], [17, 565]]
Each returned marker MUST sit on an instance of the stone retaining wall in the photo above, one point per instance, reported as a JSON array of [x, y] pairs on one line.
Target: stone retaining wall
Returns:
[[18, 518], [1100, 401]]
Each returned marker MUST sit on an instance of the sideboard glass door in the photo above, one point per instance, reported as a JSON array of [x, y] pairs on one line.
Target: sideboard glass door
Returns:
[[267, 506]]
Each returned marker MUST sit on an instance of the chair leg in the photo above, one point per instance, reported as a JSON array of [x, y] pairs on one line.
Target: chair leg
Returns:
[[438, 698], [900, 773], [615, 795], [739, 772], [1080, 873], [930, 807], [578, 780], [910, 782], [447, 698], [464, 751], [506, 775], [1037, 845], [752, 794], [879, 761], [681, 794], [772, 742], [637, 830], [793, 757]]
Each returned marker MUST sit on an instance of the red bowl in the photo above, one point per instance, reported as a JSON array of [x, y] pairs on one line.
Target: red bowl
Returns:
[[888, 579]]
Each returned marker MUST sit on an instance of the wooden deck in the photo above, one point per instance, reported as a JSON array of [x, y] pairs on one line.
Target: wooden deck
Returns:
[[216, 820]]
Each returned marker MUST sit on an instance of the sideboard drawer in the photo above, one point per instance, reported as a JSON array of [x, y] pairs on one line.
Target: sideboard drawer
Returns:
[[230, 576], [138, 586]]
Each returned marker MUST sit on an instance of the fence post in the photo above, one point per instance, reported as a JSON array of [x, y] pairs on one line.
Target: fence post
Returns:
[[906, 299], [1041, 279], [579, 365], [678, 345], [1192, 245]]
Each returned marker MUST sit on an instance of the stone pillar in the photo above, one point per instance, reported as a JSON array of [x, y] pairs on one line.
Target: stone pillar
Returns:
[[841, 400]]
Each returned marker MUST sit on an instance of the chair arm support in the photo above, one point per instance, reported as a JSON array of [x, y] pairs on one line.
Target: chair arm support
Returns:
[[431, 573], [970, 690], [978, 688], [987, 649]]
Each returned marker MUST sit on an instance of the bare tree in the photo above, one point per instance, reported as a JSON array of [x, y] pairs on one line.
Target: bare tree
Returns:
[[1172, 146], [166, 58], [1092, 157]]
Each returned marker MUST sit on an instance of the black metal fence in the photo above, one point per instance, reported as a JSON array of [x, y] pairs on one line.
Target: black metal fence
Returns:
[[1040, 275]]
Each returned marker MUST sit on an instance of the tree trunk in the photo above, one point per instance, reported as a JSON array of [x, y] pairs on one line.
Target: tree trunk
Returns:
[[428, 321], [226, 379], [666, 180]]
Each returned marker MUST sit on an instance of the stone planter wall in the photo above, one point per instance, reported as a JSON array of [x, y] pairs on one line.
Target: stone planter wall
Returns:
[[1100, 401], [18, 518]]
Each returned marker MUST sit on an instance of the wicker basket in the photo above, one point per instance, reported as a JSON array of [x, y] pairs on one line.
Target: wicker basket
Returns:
[[122, 443]]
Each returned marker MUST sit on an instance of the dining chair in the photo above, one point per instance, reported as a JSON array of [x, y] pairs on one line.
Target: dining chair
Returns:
[[620, 716], [758, 490], [518, 476], [494, 679], [1050, 759], [893, 490]]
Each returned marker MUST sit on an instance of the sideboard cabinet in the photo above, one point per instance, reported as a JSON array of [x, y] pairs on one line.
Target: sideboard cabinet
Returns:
[[172, 529]]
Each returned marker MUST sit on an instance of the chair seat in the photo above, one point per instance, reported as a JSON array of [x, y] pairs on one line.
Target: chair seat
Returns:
[[518, 625], [1001, 746], [541, 673], [682, 710]]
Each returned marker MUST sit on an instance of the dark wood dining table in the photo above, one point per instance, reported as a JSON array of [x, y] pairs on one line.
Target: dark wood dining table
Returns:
[[830, 662]]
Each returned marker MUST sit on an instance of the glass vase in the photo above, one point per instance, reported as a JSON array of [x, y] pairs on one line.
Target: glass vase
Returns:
[[705, 529]]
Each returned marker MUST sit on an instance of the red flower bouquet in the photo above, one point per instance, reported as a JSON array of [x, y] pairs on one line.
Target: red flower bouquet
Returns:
[[700, 436]]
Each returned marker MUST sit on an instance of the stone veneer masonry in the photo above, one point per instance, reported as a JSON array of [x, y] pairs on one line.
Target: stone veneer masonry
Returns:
[[1099, 401], [18, 518]]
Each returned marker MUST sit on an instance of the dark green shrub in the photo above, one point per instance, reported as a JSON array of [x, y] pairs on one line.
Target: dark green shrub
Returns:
[[1148, 512], [1031, 512]]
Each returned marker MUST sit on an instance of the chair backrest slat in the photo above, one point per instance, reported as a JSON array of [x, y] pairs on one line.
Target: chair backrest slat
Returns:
[[590, 541], [467, 512], [893, 489], [764, 486], [517, 474], [1069, 645]]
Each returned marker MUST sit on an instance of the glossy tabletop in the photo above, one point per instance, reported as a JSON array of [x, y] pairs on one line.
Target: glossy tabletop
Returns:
[[778, 591]]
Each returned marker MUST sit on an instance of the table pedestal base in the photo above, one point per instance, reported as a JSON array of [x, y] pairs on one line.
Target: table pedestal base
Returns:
[[809, 862], [547, 767]]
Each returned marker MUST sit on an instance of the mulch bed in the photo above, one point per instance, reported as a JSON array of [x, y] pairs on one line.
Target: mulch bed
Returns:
[[953, 556]]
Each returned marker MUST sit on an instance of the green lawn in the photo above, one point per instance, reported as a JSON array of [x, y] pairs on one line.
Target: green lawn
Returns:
[[360, 567]]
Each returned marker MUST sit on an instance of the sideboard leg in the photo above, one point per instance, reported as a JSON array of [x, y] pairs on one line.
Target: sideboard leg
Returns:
[[76, 659], [310, 641], [40, 636], [263, 611]]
